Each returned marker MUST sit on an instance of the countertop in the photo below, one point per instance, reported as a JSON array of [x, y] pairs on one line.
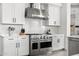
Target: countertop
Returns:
[[37, 34], [74, 36], [33, 34]]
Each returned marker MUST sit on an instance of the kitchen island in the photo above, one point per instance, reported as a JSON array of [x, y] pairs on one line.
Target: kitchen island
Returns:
[[73, 45]]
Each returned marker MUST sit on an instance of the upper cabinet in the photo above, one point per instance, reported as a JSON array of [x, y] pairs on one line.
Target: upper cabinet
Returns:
[[54, 14], [12, 13], [20, 13], [7, 13], [44, 8]]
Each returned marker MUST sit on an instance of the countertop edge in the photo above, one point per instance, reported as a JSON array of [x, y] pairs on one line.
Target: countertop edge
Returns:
[[75, 36]]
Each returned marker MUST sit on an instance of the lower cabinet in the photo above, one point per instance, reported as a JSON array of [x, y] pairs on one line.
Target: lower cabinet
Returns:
[[58, 42], [24, 46], [16, 46], [73, 46], [9, 47]]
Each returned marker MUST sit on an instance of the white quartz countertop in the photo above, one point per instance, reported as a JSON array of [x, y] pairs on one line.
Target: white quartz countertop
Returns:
[[74, 36]]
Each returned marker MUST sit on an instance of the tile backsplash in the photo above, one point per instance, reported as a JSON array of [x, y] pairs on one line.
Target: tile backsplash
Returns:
[[36, 26], [4, 29], [31, 26]]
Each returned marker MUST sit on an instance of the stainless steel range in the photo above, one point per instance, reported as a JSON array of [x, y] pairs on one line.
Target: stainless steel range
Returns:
[[40, 44]]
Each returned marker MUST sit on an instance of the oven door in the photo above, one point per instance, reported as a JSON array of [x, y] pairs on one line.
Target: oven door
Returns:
[[34, 48], [45, 44], [45, 47]]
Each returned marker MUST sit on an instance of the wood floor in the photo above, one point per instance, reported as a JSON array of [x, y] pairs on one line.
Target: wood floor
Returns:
[[55, 53]]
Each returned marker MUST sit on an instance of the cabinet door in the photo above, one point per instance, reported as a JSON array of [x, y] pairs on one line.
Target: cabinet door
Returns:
[[55, 43], [7, 13], [43, 6], [9, 47], [57, 14], [54, 15], [73, 47], [51, 15], [58, 42], [61, 43], [19, 13], [24, 46]]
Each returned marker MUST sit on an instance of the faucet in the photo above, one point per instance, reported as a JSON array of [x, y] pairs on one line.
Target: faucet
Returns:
[[10, 29]]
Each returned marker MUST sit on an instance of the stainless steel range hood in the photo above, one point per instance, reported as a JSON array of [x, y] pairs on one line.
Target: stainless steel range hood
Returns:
[[32, 12]]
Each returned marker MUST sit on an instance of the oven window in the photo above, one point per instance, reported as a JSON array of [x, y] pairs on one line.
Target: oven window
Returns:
[[34, 45], [45, 44]]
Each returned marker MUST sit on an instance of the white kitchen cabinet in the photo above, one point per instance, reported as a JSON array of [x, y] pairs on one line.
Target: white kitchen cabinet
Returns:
[[61, 41], [9, 47], [7, 13], [55, 43], [54, 15], [14, 46], [19, 13], [12, 13], [24, 46], [43, 6], [58, 42]]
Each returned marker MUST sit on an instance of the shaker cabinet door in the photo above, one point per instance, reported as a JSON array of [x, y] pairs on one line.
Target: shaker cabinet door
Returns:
[[57, 15], [19, 13], [54, 15], [7, 13], [61, 42], [24, 46], [58, 42], [51, 15], [55, 43], [13, 13], [9, 47]]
